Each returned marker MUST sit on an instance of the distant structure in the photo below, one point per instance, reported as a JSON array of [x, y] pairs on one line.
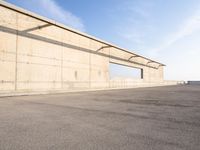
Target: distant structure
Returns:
[[193, 82], [40, 55]]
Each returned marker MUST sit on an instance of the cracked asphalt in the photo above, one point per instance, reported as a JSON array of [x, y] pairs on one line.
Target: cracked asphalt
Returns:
[[157, 118]]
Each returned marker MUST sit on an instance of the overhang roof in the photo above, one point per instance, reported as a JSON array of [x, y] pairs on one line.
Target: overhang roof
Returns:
[[53, 22]]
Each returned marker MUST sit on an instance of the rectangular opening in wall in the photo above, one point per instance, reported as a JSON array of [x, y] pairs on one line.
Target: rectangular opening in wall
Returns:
[[118, 71]]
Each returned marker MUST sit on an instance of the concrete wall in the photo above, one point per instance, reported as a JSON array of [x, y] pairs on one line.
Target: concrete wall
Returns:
[[38, 56], [193, 82]]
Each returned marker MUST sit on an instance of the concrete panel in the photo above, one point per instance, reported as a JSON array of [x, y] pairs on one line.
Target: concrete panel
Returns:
[[7, 61], [94, 45], [38, 86], [71, 55], [84, 42], [7, 75], [50, 56], [25, 22], [8, 18], [38, 48], [5, 42], [118, 53]]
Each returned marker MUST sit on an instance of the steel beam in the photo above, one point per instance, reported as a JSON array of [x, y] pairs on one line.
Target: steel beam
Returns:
[[52, 22], [37, 27], [133, 57], [103, 47]]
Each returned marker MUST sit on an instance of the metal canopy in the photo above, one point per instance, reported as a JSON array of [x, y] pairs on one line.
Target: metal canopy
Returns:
[[103, 47], [53, 23], [134, 56]]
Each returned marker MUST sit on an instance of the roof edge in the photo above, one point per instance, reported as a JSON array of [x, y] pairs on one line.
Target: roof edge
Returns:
[[45, 19]]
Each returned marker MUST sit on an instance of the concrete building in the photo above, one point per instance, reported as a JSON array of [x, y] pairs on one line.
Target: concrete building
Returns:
[[38, 54]]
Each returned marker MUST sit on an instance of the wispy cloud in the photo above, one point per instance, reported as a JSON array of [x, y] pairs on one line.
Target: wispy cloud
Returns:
[[132, 26], [131, 34], [188, 27], [51, 9], [141, 8]]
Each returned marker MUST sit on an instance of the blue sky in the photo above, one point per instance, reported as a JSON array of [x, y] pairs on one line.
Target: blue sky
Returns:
[[165, 30]]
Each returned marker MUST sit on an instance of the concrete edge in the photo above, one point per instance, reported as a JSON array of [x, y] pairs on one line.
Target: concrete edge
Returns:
[[27, 93], [29, 13]]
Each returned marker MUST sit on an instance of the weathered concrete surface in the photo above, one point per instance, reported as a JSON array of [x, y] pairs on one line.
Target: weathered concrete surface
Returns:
[[163, 118], [38, 54]]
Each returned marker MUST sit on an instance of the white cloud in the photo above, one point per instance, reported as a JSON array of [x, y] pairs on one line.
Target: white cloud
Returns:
[[134, 26], [138, 7], [141, 12], [188, 27], [130, 34], [180, 50], [51, 9]]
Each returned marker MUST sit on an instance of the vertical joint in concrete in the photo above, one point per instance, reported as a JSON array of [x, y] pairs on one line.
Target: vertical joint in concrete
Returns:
[[16, 55]]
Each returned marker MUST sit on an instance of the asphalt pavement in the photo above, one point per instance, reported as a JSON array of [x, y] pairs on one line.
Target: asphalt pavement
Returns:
[[157, 118]]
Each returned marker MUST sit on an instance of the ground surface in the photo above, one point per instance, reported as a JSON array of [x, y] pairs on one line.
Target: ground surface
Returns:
[[161, 118]]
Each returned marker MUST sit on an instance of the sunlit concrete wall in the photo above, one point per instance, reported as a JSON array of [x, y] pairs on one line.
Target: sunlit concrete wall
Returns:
[[35, 55]]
